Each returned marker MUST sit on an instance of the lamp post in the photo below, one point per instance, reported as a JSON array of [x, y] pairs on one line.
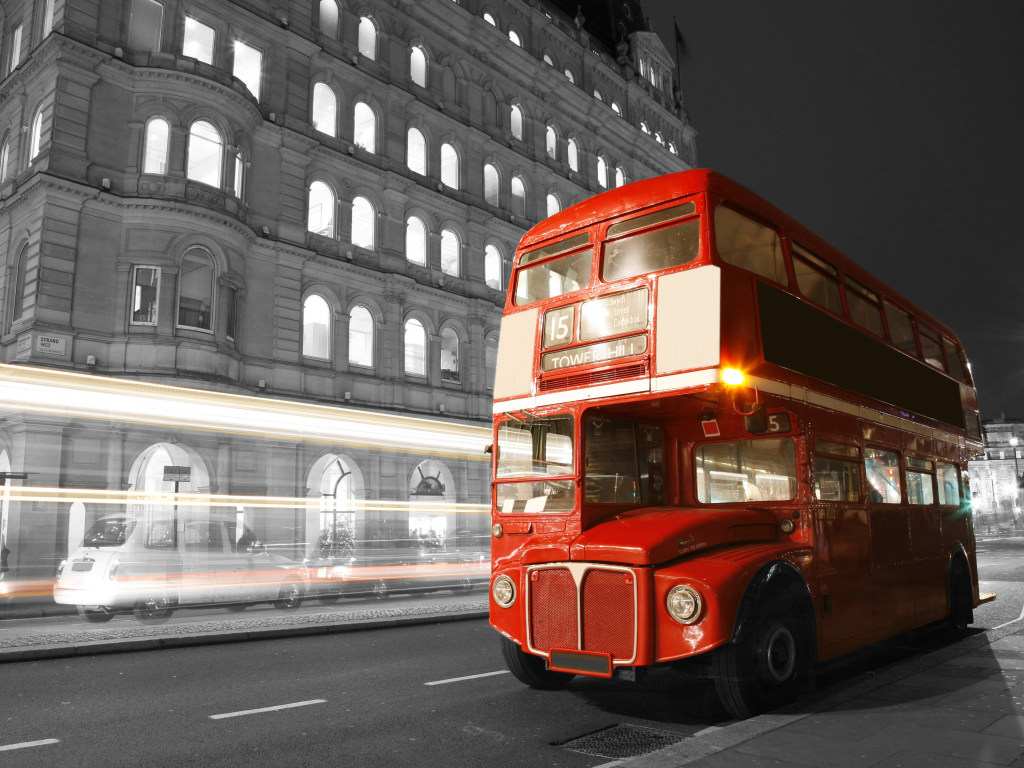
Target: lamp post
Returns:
[[1014, 442]]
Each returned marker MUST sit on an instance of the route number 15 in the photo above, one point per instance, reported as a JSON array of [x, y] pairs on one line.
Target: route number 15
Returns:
[[558, 325]]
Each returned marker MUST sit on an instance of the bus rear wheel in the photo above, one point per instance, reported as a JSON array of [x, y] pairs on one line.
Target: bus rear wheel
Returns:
[[762, 671], [530, 669]]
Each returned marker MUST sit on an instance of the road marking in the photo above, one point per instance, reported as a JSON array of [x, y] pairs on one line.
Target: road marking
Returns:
[[467, 677], [1008, 623], [268, 709], [24, 744]]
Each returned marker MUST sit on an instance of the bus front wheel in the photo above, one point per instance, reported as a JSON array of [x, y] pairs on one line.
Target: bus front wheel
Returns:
[[761, 671], [530, 669]]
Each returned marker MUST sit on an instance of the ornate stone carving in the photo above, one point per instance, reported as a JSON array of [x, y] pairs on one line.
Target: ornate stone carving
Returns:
[[323, 245], [204, 196]]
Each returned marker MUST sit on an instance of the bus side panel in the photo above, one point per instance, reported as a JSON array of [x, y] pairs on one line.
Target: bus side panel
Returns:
[[741, 346]]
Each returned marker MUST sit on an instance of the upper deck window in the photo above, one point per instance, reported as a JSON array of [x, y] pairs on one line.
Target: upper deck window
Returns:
[[562, 246], [751, 245], [931, 346], [623, 462], [554, 278], [901, 330], [864, 306], [651, 251], [658, 217], [746, 470], [817, 279], [956, 366]]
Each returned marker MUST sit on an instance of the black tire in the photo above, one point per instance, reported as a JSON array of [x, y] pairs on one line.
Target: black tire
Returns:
[[95, 617], [961, 598], [328, 599], [762, 671], [289, 597], [532, 670], [154, 610]]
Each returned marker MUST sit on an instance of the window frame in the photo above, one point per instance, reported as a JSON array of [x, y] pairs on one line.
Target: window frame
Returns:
[[258, 95], [793, 499], [446, 165], [373, 223], [799, 252], [409, 223], [321, 87], [900, 477], [405, 348], [159, 28], [372, 27], [409, 133], [146, 145], [373, 338], [213, 293], [712, 224], [131, 301], [333, 212], [458, 252], [926, 468], [330, 330], [449, 330], [501, 268], [375, 124], [413, 50], [185, 39], [219, 184]]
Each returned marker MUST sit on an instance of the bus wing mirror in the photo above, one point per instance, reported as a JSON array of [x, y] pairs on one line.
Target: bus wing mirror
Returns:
[[756, 420]]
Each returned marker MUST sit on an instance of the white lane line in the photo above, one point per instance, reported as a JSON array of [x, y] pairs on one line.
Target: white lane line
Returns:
[[268, 709], [1008, 623], [23, 744], [467, 677]]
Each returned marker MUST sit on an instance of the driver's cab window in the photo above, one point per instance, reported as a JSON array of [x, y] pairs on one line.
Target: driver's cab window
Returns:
[[623, 462], [746, 470], [202, 536]]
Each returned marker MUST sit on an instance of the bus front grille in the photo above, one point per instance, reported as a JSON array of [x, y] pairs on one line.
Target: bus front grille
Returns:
[[592, 378], [553, 614], [608, 613]]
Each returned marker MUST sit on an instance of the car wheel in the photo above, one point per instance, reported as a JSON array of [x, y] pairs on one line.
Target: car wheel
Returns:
[[328, 599], [96, 617], [532, 670], [154, 610], [289, 597], [961, 601], [380, 590]]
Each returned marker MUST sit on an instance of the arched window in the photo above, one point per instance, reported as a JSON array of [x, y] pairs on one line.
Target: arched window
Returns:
[[672, 148], [363, 223], [415, 240], [449, 83], [490, 20], [515, 38], [20, 284], [659, 138], [195, 290], [491, 184], [329, 18], [517, 121], [316, 328], [548, 60], [553, 205], [325, 109], [416, 152], [360, 337], [154, 159], [321, 209], [205, 153], [570, 76], [451, 247], [518, 196], [449, 355], [239, 173], [367, 38], [616, 108], [602, 172], [598, 95], [492, 267], [5, 159], [418, 66], [551, 142], [574, 155], [620, 177], [449, 166], [490, 359], [644, 128], [490, 108], [35, 145], [415, 348], [364, 134]]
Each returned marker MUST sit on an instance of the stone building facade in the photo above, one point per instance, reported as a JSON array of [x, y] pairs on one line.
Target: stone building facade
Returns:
[[303, 199], [997, 483]]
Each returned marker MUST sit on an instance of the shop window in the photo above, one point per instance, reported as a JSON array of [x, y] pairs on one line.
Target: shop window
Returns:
[[864, 306], [492, 267], [248, 67], [367, 38], [816, 278], [199, 40], [449, 166], [158, 134], [882, 469], [145, 295], [205, 151], [316, 328], [416, 152], [418, 66], [325, 109], [365, 127], [415, 348], [195, 291], [750, 245], [363, 223], [416, 240], [360, 337], [320, 218], [145, 22], [451, 248], [449, 355]]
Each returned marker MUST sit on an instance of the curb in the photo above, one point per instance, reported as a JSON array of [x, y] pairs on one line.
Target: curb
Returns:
[[712, 740], [41, 652], [38, 613]]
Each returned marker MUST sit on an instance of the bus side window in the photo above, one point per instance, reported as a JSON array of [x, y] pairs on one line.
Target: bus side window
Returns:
[[882, 469], [901, 330], [651, 251], [863, 304], [949, 484], [931, 345], [836, 478], [817, 279], [919, 481], [750, 245]]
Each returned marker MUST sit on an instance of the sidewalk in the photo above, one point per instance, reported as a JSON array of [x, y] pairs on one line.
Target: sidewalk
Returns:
[[958, 707]]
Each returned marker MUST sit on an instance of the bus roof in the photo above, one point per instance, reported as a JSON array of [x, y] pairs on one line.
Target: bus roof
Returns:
[[642, 194]]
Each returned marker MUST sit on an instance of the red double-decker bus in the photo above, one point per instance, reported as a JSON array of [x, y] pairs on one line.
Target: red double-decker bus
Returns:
[[715, 434]]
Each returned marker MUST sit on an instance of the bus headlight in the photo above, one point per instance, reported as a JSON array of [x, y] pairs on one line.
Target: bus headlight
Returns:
[[504, 591], [60, 568], [683, 604]]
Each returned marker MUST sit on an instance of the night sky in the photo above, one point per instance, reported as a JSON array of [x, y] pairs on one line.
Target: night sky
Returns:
[[894, 131]]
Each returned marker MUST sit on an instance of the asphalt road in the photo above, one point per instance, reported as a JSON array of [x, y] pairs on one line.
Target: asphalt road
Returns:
[[372, 705]]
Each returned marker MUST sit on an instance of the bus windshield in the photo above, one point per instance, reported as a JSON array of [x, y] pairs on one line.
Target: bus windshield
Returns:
[[535, 448]]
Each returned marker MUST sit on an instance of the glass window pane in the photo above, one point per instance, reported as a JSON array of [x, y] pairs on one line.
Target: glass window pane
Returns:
[[836, 480], [956, 366], [550, 142], [518, 196], [415, 241], [415, 348], [650, 219], [901, 329], [199, 41], [492, 267], [5, 159], [490, 20], [490, 360], [931, 346], [367, 39], [574, 155], [491, 184], [514, 37], [329, 18], [195, 291], [746, 470], [449, 355], [363, 223], [239, 173], [553, 206], [418, 66], [620, 177], [863, 304], [360, 337], [651, 251], [36, 140], [919, 488], [517, 122], [365, 128], [145, 295], [325, 109], [948, 479], [602, 172], [158, 132], [249, 67], [748, 244], [570, 77], [449, 166], [232, 313], [316, 328], [450, 248], [321, 209], [615, 450], [147, 17], [554, 278], [882, 469], [416, 157], [204, 153]]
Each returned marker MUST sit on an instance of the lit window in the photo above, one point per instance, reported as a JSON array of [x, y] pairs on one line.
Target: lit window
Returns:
[[415, 240], [367, 38], [492, 267], [553, 206], [147, 18], [659, 138], [644, 128], [249, 67], [360, 337], [570, 76], [320, 220], [365, 133], [490, 20], [449, 166], [548, 60], [416, 152], [616, 108], [415, 348], [329, 18], [450, 248], [316, 328], [363, 219], [672, 148], [5, 159], [230, 326], [602, 172], [145, 295], [158, 131], [517, 121], [551, 142], [518, 196], [239, 173], [325, 109], [574, 155], [491, 184], [195, 291], [449, 355], [48, 17], [199, 41], [514, 37], [16, 48], [597, 95], [418, 66], [620, 177], [35, 144], [205, 147]]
